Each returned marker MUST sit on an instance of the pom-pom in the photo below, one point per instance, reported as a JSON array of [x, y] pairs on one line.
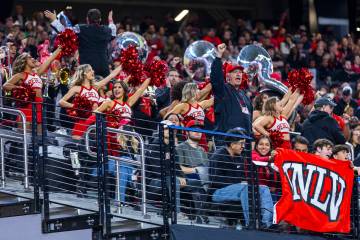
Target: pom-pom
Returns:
[[24, 95], [301, 79], [276, 138], [156, 71], [82, 108], [132, 65], [146, 106], [68, 41], [113, 119]]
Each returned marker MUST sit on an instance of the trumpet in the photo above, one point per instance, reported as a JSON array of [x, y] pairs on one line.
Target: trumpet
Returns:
[[64, 76]]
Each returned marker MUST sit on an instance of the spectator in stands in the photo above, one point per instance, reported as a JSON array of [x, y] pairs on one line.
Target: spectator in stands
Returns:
[[211, 37], [228, 175], [93, 39], [346, 100], [355, 141], [301, 144], [193, 162], [341, 152], [232, 107], [266, 176], [258, 104], [323, 148], [163, 93], [320, 124]]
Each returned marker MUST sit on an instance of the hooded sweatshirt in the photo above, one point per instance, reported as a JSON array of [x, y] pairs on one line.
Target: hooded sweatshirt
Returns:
[[321, 125]]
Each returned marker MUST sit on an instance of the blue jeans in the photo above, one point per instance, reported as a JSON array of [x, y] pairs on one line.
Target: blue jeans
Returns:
[[234, 192], [125, 171], [266, 204]]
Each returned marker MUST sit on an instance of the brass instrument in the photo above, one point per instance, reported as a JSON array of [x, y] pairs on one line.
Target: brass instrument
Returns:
[[64, 76]]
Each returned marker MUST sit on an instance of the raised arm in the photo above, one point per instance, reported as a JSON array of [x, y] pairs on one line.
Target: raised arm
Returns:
[[203, 93], [133, 99], [178, 109], [260, 124], [55, 23], [294, 101], [217, 75], [207, 103], [64, 101], [13, 82], [111, 25], [286, 97], [43, 67], [163, 112], [107, 79]]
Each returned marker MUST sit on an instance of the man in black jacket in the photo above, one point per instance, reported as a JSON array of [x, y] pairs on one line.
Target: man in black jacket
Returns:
[[232, 107], [320, 124], [228, 172], [93, 39]]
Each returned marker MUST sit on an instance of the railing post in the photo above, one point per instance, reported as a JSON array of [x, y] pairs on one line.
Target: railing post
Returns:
[[254, 203], [35, 157], [100, 174], [355, 207], [107, 207], [164, 189], [172, 170], [43, 175]]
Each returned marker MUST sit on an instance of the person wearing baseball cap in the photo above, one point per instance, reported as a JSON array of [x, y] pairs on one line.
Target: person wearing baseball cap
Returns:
[[345, 100], [193, 162], [320, 123], [232, 107]]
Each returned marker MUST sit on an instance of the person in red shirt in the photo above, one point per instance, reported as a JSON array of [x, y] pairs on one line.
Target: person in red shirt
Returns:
[[211, 37], [267, 177]]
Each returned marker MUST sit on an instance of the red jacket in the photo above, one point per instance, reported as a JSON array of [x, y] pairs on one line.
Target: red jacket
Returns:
[[266, 175]]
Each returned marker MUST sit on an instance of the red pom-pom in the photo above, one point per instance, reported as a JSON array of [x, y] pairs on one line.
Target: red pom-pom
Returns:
[[113, 119], [68, 41], [132, 65], [301, 79], [24, 95], [146, 106], [156, 71], [276, 138], [82, 108]]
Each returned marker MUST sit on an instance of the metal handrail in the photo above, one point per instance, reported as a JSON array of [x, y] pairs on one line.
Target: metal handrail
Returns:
[[119, 159], [2, 136]]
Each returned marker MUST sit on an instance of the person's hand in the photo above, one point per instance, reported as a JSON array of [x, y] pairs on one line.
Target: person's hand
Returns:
[[220, 50], [182, 181], [272, 155], [116, 71], [50, 15], [110, 17], [126, 80]]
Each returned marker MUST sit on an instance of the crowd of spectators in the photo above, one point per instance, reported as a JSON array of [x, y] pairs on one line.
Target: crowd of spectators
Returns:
[[334, 62]]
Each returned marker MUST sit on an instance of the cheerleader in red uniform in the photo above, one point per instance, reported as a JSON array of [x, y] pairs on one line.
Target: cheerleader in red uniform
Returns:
[[190, 109], [120, 108], [275, 115], [26, 72], [83, 85]]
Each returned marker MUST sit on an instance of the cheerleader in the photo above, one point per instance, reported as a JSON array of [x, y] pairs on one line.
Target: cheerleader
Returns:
[[120, 107], [190, 108], [275, 115], [83, 85], [122, 102], [26, 72]]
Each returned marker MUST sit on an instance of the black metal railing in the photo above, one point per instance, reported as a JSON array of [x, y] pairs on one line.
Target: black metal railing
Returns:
[[84, 181]]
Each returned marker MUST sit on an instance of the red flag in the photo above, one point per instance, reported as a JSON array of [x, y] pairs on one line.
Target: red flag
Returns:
[[316, 192]]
